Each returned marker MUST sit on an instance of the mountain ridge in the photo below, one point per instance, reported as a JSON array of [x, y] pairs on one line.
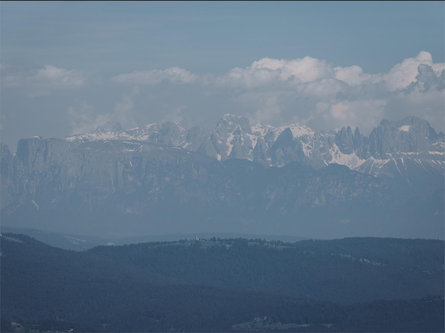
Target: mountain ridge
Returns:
[[110, 187], [384, 151]]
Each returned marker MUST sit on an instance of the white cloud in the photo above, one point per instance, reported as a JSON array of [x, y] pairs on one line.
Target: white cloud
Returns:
[[41, 81], [308, 90], [52, 75], [321, 89], [316, 92], [266, 71], [313, 91], [354, 76], [308, 70], [172, 75], [360, 113], [405, 73]]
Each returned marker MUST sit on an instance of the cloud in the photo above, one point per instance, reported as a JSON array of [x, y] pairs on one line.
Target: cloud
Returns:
[[172, 75], [360, 113], [41, 81], [268, 71], [308, 90], [313, 91], [52, 75], [85, 119], [267, 106], [123, 110], [404, 74], [354, 76]]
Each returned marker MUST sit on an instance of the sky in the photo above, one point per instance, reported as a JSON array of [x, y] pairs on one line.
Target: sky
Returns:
[[70, 67]]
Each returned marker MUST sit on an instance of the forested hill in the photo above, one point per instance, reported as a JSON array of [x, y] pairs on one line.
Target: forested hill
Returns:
[[345, 270], [359, 284]]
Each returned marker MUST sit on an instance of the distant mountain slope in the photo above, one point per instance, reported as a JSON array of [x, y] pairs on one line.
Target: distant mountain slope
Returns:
[[78, 242], [60, 240], [144, 181], [112, 289]]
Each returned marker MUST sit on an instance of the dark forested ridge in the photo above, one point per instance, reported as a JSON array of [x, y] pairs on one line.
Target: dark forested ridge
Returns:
[[356, 284], [346, 270]]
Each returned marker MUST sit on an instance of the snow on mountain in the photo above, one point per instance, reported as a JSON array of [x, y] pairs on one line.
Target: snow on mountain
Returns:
[[235, 137], [298, 130], [404, 128], [392, 147], [167, 133], [352, 161]]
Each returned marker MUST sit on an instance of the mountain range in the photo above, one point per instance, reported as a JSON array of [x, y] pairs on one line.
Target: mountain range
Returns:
[[392, 148], [242, 178]]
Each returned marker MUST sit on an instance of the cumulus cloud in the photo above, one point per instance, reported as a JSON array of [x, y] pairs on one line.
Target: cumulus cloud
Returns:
[[309, 90], [354, 76], [52, 75], [312, 91], [172, 75], [305, 70], [266, 71], [41, 81], [323, 95], [405, 73]]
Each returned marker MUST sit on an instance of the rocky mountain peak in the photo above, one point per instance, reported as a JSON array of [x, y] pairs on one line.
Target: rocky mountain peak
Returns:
[[388, 147], [410, 134]]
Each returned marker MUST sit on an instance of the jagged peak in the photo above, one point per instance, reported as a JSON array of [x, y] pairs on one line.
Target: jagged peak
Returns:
[[285, 136], [298, 129]]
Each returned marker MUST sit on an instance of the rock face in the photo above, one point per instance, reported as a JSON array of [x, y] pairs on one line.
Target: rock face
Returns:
[[238, 178], [389, 149]]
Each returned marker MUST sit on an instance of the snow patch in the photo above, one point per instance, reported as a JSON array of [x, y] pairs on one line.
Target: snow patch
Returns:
[[352, 161], [307, 148], [253, 139], [259, 129], [299, 130], [405, 128], [35, 204], [378, 161], [229, 144]]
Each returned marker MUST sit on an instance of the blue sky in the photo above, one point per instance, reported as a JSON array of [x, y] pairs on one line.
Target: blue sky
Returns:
[[61, 63]]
